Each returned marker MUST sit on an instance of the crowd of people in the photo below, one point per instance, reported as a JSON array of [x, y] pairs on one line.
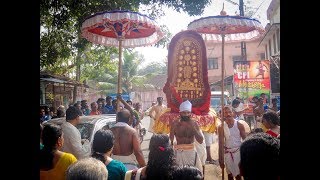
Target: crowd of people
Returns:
[[116, 153]]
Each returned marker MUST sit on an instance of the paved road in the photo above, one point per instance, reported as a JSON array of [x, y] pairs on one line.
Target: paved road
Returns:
[[145, 144], [212, 172]]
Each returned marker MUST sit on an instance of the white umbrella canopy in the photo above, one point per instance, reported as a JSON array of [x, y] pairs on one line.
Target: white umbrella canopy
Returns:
[[229, 29], [121, 28], [235, 28], [132, 28]]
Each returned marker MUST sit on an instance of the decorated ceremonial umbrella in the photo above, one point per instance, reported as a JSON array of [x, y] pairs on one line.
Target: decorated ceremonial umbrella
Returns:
[[121, 28], [230, 29]]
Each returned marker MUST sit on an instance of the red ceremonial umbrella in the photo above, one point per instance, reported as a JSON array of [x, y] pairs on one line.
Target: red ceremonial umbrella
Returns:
[[230, 29], [121, 28]]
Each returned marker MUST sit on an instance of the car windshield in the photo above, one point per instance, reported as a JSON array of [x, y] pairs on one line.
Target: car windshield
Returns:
[[85, 130], [215, 102]]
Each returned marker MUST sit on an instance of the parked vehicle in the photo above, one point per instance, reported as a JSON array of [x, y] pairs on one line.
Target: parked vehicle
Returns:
[[215, 100], [89, 125]]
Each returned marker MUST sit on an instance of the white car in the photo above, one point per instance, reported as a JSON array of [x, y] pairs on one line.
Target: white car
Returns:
[[215, 103], [89, 125], [215, 100]]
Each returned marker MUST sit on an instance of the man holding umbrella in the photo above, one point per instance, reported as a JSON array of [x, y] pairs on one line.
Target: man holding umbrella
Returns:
[[233, 131]]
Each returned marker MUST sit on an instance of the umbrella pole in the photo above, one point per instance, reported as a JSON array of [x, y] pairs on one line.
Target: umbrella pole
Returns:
[[222, 101], [119, 91]]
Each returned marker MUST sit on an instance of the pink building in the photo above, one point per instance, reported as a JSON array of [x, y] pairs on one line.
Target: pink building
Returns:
[[232, 52]]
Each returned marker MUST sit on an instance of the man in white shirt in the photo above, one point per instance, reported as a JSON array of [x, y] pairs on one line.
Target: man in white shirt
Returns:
[[72, 138], [238, 108]]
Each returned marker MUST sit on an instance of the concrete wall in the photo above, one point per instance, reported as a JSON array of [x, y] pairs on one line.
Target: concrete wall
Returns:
[[147, 97], [276, 16], [230, 50]]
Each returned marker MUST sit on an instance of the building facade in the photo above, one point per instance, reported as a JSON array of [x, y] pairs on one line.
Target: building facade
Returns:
[[58, 90], [271, 43], [232, 53]]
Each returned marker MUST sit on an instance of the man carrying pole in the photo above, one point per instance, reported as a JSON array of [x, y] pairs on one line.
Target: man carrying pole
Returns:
[[229, 153]]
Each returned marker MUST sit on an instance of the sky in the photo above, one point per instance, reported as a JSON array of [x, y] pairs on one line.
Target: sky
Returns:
[[177, 22]]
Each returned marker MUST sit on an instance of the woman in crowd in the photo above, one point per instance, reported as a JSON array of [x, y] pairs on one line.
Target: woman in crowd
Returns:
[[273, 107], [160, 163], [54, 163], [102, 147], [272, 122], [87, 169], [187, 173]]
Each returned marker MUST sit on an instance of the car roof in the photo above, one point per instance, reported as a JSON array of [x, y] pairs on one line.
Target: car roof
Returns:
[[219, 93], [86, 119]]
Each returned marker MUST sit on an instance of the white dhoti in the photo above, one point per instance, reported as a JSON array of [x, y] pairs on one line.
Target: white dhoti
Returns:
[[208, 138], [129, 161], [258, 122], [201, 149], [232, 160], [151, 125], [186, 154]]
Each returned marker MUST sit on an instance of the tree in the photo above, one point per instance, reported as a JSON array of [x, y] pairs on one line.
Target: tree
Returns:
[[61, 21], [153, 68], [61, 43], [97, 62], [131, 79]]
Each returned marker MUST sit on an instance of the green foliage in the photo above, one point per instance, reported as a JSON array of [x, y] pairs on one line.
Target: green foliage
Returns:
[[55, 45], [131, 62], [192, 7], [164, 42], [152, 69], [107, 88], [97, 63]]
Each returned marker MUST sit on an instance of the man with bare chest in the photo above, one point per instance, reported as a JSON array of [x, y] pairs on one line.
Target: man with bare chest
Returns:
[[126, 146], [186, 130]]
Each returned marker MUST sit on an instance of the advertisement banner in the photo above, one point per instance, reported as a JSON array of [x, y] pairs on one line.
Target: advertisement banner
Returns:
[[251, 78], [125, 96]]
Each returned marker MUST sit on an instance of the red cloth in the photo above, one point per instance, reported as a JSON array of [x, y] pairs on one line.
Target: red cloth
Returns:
[[187, 73], [202, 120], [272, 133], [94, 113]]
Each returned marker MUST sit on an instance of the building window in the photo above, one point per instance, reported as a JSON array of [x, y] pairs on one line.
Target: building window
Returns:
[[266, 49], [278, 38], [262, 56], [274, 44], [236, 58], [269, 47], [213, 63]]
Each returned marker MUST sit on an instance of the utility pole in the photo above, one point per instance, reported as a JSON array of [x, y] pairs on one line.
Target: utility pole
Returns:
[[243, 44]]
